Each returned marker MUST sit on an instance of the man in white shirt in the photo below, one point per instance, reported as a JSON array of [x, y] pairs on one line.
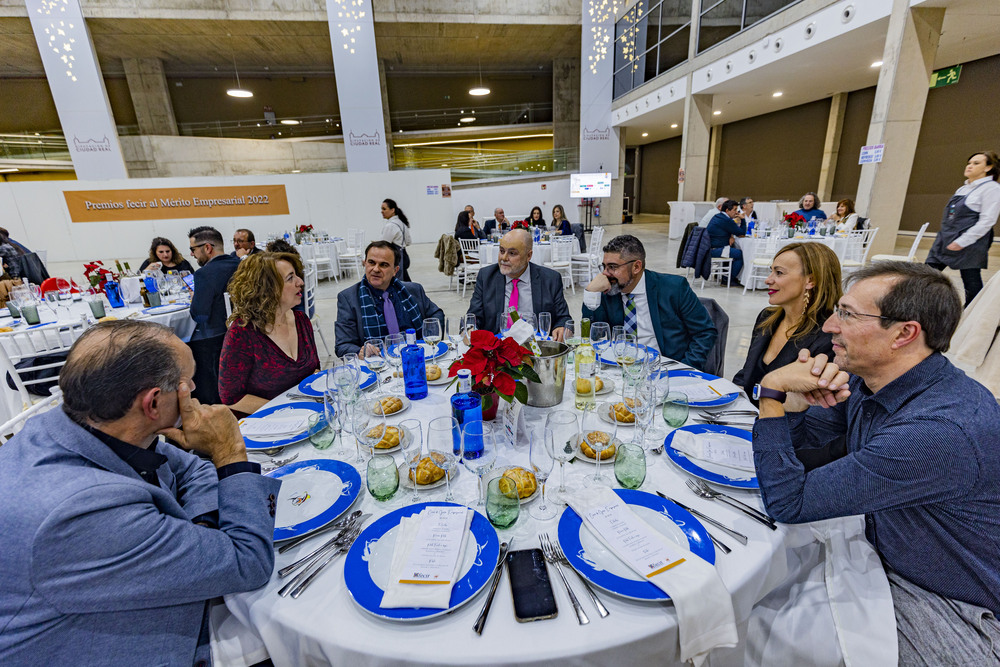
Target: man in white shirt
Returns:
[[712, 212], [661, 309]]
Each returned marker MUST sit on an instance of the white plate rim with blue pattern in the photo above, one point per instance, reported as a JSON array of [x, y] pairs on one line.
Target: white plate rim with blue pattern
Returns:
[[252, 444], [570, 525], [350, 492], [725, 399], [165, 308], [368, 595], [305, 387], [440, 351], [691, 467]]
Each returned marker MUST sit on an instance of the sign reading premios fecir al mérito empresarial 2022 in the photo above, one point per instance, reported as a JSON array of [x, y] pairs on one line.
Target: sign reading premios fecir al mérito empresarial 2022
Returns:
[[173, 203]]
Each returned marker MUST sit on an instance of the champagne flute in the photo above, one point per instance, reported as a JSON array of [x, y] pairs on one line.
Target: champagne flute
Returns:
[[375, 357], [344, 380], [361, 417], [453, 329], [540, 455], [52, 301], [600, 334], [413, 451], [566, 436], [443, 434], [640, 399], [469, 325], [394, 344], [544, 325], [598, 439], [479, 460], [572, 339]]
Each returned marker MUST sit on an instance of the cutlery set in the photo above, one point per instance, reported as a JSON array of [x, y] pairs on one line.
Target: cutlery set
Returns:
[[314, 562]]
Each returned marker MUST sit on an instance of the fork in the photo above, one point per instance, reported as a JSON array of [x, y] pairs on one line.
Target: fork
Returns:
[[277, 463], [338, 546], [304, 397], [581, 616], [346, 522], [703, 490], [561, 557], [319, 551]]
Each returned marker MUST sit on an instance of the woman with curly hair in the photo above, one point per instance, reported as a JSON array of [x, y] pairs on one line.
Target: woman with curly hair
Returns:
[[269, 347], [163, 255]]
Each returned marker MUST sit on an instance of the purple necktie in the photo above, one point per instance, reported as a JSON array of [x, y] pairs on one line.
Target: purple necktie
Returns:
[[390, 314]]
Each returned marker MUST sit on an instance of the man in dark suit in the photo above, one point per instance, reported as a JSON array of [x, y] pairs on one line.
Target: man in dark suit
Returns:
[[381, 304], [113, 539], [661, 309], [208, 308], [498, 222], [244, 243], [515, 282]]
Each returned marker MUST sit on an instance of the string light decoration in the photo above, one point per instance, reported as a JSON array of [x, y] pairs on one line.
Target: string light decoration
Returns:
[[631, 17], [350, 12], [61, 40], [599, 12]]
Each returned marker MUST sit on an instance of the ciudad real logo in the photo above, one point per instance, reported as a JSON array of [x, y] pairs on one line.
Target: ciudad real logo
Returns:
[[92, 145]]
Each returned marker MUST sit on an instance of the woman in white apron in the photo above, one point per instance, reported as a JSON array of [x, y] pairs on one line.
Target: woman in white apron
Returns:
[[397, 232], [967, 224]]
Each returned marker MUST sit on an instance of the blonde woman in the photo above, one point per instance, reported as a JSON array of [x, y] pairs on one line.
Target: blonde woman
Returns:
[[559, 221], [269, 347]]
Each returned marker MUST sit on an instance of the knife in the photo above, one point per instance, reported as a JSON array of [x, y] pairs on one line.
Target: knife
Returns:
[[497, 573], [336, 525], [729, 531]]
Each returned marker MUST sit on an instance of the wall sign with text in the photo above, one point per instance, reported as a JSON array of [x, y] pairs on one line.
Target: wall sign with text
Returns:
[[173, 203]]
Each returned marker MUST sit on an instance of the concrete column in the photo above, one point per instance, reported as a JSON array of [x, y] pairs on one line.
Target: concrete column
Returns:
[[147, 84], [695, 144], [714, 154], [617, 203], [695, 27], [831, 147], [907, 62], [565, 103], [385, 115]]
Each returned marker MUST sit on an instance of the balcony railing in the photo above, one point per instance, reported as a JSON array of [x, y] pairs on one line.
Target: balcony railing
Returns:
[[471, 163]]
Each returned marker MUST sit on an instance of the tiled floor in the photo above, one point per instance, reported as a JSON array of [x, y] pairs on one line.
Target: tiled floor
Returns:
[[661, 254]]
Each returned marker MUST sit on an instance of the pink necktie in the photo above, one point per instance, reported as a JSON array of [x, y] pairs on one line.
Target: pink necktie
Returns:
[[513, 301]]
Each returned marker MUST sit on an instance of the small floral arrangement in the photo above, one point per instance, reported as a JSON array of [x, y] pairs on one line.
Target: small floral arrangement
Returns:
[[496, 365], [521, 224], [96, 273], [304, 229], [795, 220]]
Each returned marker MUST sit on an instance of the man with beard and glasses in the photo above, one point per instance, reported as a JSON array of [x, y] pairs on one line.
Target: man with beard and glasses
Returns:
[[660, 309], [922, 459]]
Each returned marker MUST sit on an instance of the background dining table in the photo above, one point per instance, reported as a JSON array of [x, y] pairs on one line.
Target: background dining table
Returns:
[[750, 246], [325, 625]]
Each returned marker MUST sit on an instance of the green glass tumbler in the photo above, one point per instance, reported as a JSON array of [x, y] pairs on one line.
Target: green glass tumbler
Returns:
[[321, 436], [382, 477], [675, 409], [630, 466], [503, 505]]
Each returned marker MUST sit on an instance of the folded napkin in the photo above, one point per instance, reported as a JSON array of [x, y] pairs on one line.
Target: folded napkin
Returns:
[[714, 450], [700, 391], [427, 596], [705, 616], [256, 426]]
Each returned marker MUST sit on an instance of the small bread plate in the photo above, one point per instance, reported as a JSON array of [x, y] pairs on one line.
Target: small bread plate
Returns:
[[315, 384], [313, 493], [405, 438], [601, 567], [406, 483], [538, 486], [686, 378], [288, 411], [377, 401], [609, 386], [607, 356], [580, 456], [713, 472], [444, 379], [604, 411], [366, 567], [165, 308], [430, 351]]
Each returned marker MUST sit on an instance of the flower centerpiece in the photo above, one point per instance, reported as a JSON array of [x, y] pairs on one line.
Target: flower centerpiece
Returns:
[[795, 222], [97, 274], [301, 232], [496, 365]]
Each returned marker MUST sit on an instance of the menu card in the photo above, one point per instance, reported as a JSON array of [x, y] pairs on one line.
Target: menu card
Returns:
[[632, 539], [272, 426], [714, 450], [708, 391], [435, 549]]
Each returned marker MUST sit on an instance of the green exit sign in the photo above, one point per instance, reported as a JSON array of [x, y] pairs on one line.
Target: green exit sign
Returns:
[[946, 77]]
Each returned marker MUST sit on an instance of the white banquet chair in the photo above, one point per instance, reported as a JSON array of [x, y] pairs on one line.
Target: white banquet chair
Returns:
[[470, 261], [584, 265], [310, 304], [348, 258], [859, 244], [562, 259], [909, 256], [49, 341], [760, 267], [12, 426]]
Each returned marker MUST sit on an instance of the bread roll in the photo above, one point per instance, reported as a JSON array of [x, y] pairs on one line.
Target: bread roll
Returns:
[[388, 405], [427, 470], [389, 439], [526, 482], [599, 436]]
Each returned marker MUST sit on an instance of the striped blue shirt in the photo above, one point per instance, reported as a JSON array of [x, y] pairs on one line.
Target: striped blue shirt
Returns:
[[922, 464]]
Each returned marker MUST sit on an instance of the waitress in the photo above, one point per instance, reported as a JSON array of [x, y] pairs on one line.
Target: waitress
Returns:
[[967, 224]]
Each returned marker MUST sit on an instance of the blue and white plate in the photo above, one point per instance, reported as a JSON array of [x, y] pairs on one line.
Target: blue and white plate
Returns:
[[608, 356], [313, 493], [42, 324], [165, 308], [315, 384], [601, 567], [301, 409], [698, 376], [430, 352], [713, 472], [366, 568]]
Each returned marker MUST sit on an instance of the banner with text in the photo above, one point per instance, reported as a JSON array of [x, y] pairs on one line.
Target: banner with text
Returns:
[[173, 203]]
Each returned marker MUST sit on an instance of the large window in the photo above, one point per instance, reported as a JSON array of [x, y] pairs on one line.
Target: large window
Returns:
[[651, 38], [721, 19]]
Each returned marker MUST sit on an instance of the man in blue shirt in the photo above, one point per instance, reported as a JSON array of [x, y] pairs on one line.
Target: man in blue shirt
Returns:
[[721, 231], [920, 457]]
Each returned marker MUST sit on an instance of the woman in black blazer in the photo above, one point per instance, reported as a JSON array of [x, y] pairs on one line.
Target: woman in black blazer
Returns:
[[803, 290]]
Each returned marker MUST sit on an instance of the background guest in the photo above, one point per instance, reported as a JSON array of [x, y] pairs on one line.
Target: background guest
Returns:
[[809, 207], [498, 222], [712, 212], [722, 231], [746, 211], [269, 346], [559, 221], [846, 218], [11, 255], [535, 218], [396, 231], [467, 227], [163, 255]]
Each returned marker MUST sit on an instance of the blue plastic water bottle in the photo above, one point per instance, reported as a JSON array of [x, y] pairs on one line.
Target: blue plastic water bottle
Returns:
[[467, 407], [414, 368]]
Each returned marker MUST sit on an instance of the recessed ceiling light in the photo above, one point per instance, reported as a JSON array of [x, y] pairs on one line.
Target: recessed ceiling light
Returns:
[[290, 121], [467, 119], [716, 113], [8, 170], [673, 126], [296, 171], [877, 63], [777, 93], [645, 134], [479, 91], [239, 92]]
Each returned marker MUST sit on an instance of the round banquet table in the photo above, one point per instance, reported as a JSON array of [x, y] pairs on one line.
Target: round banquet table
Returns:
[[325, 249], [750, 244], [325, 625], [489, 253]]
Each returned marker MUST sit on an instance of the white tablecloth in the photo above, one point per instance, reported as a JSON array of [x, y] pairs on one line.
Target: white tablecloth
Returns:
[[310, 251], [749, 245], [489, 253], [325, 626]]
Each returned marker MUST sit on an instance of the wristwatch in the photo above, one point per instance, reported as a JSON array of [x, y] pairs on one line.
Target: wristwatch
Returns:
[[760, 392]]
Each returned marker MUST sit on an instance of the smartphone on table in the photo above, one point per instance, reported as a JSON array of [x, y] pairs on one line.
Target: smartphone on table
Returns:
[[530, 586]]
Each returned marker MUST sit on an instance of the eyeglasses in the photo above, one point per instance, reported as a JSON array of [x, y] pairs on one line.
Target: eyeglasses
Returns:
[[846, 315], [614, 267], [192, 248]]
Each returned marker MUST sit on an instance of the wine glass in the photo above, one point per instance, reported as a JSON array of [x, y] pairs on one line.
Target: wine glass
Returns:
[[468, 326], [444, 439], [52, 301], [565, 430], [65, 295], [600, 335], [453, 329], [361, 418], [641, 401], [571, 338], [394, 344], [432, 332], [544, 325], [479, 452], [598, 437], [540, 454], [503, 328], [624, 348], [344, 381], [375, 357], [413, 451]]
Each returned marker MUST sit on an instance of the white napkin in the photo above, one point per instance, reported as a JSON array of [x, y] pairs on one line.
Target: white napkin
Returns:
[[700, 391], [272, 426], [714, 450], [705, 616], [521, 331], [417, 595]]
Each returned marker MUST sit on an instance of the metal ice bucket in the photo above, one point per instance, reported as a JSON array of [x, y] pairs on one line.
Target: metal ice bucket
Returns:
[[551, 369]]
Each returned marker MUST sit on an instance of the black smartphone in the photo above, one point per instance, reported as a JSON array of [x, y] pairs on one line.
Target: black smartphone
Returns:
[[530, 586]]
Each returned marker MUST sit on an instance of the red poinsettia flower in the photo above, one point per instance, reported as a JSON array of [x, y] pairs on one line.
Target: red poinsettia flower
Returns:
[[484, 340], [495, 364], [504, 384]]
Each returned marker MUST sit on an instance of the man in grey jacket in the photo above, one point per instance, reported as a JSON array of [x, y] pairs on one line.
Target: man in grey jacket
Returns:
[[114, 540]]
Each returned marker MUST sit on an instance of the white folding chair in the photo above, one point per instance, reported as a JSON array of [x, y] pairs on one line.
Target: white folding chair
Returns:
[[760, 267], [310, 304], [322, 260], [913, 249], [722, 269], [348, 258], [229, 304], [12, 426], [470, 261], [16, 346], [585, 265], [562, 258], [859, 244]]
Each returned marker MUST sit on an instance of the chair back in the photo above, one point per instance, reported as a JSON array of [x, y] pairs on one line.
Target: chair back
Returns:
[[716, 362], [916, 241], [596, 239], [49, 345], [12, 426], [562, 249], [229, 304], [470, 250], [859, 244], [309, 292]]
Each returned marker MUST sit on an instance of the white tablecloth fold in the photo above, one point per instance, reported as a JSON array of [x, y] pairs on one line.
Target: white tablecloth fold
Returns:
[[705, 617]]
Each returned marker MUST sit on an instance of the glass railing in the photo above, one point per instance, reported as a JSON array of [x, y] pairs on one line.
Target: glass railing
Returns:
[[471, 163], [31, 146], [721, 19]]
